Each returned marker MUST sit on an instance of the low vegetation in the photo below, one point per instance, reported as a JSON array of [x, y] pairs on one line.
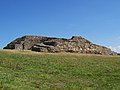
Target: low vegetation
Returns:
[[26, 70]]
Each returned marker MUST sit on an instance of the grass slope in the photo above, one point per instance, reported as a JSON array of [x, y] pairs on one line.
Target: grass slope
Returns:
[[25, 70]]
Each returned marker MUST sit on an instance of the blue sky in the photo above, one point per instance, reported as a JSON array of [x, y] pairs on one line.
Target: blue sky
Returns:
[[96, 20]]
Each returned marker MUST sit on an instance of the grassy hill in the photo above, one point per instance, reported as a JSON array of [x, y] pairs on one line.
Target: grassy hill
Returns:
[[26, 70]]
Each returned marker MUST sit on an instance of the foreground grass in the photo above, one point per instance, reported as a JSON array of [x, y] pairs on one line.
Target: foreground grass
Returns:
[[24, 70]]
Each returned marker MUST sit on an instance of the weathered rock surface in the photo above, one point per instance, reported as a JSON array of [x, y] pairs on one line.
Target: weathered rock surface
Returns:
[[49, 44]]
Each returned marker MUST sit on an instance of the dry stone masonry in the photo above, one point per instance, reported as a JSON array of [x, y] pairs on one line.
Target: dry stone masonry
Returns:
[[76, 44]]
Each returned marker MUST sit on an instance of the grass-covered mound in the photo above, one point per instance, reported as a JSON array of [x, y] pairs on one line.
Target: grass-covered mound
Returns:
[[25, 70]]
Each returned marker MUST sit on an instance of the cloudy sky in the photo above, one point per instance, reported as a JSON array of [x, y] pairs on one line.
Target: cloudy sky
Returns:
[[96, 20]]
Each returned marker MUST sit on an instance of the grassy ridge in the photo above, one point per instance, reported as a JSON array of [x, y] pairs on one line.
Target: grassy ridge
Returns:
[[25, 70]]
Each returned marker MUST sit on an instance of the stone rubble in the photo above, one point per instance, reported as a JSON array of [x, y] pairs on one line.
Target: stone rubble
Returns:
[[76, 44]]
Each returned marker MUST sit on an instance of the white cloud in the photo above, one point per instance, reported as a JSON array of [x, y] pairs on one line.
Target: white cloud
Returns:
[[116, 48]]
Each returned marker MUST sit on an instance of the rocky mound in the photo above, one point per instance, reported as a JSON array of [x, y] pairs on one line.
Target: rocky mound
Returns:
[[49, 44]]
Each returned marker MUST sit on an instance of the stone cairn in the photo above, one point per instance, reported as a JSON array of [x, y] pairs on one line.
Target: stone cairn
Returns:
[[76, 44]]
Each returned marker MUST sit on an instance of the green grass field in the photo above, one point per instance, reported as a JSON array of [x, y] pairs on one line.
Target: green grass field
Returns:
[[26, 70]]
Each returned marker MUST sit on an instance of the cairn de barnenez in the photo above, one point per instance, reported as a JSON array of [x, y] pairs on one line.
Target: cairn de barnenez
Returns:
[[76, 44]]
